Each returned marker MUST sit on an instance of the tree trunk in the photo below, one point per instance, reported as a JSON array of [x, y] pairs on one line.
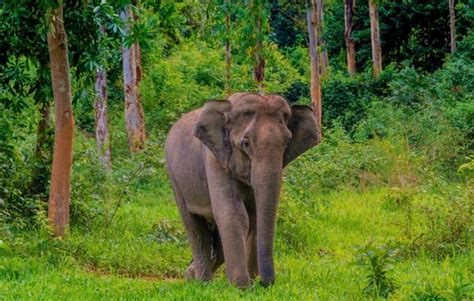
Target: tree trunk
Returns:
[[101, 120], [259, 60], [138, 62], [133, 109], [58, 209], [375, 35], [323, 56], [41, 135], [40, 172], [452, 24], [313, 52], [228, 53], [137, 50], [349, 7]]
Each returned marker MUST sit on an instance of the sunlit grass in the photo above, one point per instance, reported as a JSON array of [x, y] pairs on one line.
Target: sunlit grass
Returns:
[[144, 252]]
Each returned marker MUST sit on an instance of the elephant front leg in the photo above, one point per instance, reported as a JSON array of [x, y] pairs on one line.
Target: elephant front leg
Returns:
[[252, 262], [232, 222], [230, 214]]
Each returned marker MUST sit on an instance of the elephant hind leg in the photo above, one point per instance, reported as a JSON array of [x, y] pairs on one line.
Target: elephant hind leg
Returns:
[[217, 254], [199, 237], [200, 241]]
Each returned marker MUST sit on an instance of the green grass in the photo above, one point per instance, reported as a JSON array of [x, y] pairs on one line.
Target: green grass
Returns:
[[143, 254]]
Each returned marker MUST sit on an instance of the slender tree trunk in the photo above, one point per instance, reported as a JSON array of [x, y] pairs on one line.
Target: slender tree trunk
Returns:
[[228, 51], [138, 62], [323, 56], [258, 59], [40, 174], [349, 7], [101, 121], [375, 35], [133, 108], [313, 52], [58, 209], [137, 50], [41, 135], [452, 24]]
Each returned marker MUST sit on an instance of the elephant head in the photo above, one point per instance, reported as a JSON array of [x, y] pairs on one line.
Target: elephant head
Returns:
[[254, 137]]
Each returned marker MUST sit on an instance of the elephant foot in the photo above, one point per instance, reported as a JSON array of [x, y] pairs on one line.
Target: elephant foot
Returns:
[[241, 281], [196, 272], [190, 273]]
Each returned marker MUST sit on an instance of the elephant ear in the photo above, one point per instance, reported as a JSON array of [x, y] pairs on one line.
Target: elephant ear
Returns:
[[304, 130], [212, 131]]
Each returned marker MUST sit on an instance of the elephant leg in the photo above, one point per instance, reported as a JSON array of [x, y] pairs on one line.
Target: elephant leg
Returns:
[[233, 228], [252, 262], [232, 221], [217, 257], [199, 237]]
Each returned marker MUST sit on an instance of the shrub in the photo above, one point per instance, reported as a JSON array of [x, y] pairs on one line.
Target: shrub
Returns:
[[346, 98], [98, 195], [447, 228], [339, 162], [20, 205], [194, 73], [434, 223], [377, 262]]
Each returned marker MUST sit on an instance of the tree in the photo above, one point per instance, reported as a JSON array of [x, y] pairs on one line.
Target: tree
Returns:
[[228, 53], [257, 49], [452, 25], [321, 42], [349, 7], [134, 116], [22, 37], [375, 37], [101, 120], [313, 52], [59, 198]]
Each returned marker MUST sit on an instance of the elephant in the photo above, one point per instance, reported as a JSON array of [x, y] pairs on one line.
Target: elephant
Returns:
[[225, 163]]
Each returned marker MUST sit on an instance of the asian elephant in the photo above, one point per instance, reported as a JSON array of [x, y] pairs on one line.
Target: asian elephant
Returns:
[[225, 163]]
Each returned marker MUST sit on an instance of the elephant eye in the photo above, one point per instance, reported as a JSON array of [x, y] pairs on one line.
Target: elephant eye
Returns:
[[245, 144]]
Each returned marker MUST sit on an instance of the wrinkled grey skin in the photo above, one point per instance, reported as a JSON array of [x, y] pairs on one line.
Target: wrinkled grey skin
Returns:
[[225, 163]]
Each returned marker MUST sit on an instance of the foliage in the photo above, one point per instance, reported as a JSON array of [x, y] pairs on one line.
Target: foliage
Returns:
[[414, 32], [193, 72], [378, 263], [438, 225], [395, 166]]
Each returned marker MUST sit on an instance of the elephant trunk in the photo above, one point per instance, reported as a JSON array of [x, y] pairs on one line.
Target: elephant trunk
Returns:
[[266, 180]]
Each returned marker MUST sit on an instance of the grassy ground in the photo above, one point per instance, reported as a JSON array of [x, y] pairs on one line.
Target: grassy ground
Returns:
[[143, 254]]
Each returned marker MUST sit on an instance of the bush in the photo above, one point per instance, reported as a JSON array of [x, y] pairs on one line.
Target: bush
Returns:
[[97, 195], [20, 204], [339, 162], [181, 82], [193, 73], [377, 262]]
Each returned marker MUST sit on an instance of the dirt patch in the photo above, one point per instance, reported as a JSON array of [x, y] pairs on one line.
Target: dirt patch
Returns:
[[145, 277]]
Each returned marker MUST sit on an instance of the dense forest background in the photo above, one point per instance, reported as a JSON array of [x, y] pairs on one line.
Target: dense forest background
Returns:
[[390, 187]]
